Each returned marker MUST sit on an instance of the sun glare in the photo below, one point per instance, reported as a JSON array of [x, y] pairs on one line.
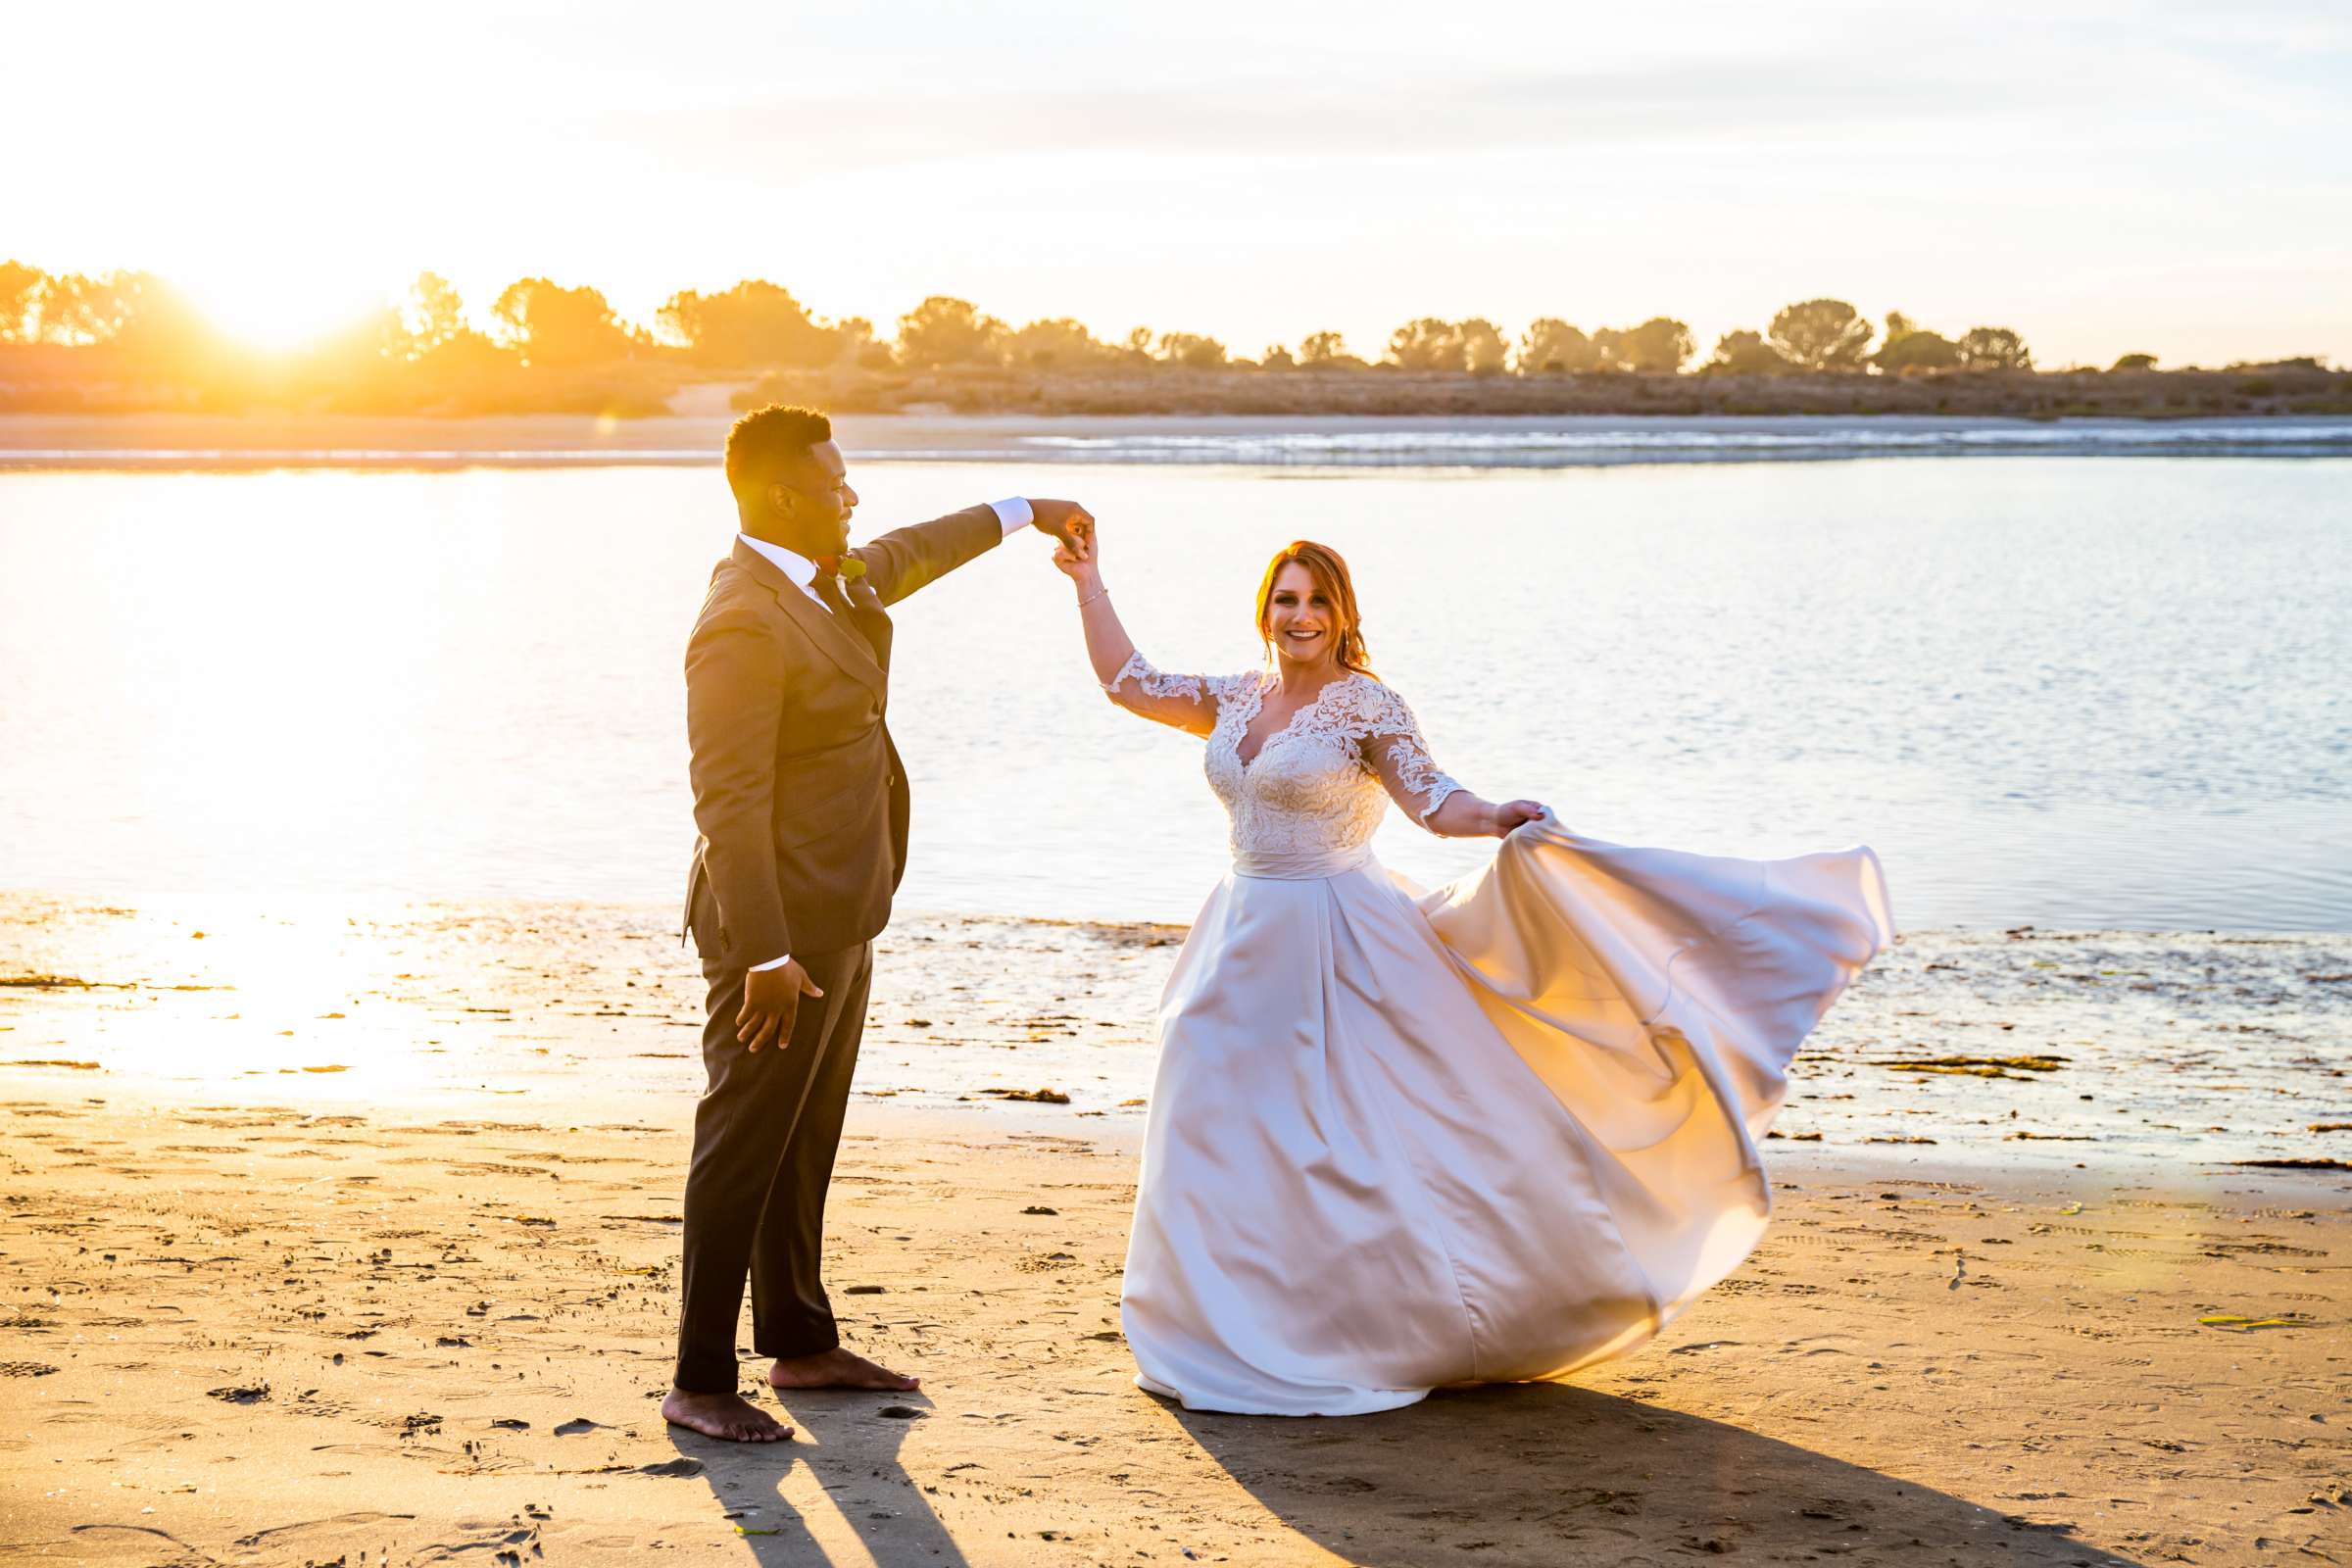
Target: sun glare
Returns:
[[274, 311]]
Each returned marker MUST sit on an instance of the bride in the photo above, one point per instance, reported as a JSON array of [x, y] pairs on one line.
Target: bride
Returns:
[[1492, 1133]]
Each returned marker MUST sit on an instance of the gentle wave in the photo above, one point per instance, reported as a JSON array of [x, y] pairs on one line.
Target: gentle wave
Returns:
[[1572, 447], [1358, 443]]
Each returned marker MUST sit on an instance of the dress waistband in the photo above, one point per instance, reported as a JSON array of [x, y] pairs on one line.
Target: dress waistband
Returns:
[[1300, 865]]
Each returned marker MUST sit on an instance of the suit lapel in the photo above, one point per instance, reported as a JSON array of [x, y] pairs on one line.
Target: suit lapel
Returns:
[[841, 642]]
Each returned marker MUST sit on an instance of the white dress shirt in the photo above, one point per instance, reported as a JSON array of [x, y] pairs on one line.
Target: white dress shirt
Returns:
[[1013, 511]]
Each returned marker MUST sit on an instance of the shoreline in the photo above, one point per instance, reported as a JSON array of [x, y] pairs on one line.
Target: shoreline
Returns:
[[1962, 1051], [179, 442]]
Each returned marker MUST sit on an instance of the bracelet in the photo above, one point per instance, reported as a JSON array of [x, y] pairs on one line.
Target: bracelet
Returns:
[[1091, 598]]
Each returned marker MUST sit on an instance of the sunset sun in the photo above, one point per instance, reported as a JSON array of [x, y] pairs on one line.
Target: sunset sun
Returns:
[[275, 311]]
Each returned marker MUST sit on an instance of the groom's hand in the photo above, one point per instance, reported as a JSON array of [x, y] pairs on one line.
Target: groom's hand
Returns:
[[771, 1000], [1064, 522]]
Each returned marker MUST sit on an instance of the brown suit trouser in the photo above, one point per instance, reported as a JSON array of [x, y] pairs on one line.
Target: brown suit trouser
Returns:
[[764, 1136]]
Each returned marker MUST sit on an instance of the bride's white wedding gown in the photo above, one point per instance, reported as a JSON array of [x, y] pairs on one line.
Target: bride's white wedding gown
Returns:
[[1491, 1133]]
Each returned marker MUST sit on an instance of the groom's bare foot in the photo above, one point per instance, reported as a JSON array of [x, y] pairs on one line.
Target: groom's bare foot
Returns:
[[837, 1368], [728, 1417]]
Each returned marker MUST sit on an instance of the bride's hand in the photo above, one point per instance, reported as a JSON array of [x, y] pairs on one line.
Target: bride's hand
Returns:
[[1077, 561], [1510, 813]]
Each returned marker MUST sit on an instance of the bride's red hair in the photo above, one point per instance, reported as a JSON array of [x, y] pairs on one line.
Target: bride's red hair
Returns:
[[1329, 573]]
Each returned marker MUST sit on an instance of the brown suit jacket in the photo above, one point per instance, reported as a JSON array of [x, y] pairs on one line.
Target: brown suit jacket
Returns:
[[799, 796]]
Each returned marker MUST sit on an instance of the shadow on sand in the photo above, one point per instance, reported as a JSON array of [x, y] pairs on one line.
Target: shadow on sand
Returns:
[[1554, 1474], [852, 1451], [1511, 1475]]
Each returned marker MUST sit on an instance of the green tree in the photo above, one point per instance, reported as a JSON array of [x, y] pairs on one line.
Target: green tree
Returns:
[[1058, 344], [1277, 357], [75, 309], [1821, 335], [1326, 350], [1484, 351], [2134, 361], [1611, 350], [755, 324], [549, 324], [1994, 348], [463, 364], [1551, 347], [1918, 351], [1745, 352], [20, 290], [857, 345], [1428, 344], [433, 313], [944, 330], [1191, 351], [1909, 347], [1659, 346]]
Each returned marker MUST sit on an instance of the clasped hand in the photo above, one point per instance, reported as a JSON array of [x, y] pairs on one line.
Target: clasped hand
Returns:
[[1067, 523]]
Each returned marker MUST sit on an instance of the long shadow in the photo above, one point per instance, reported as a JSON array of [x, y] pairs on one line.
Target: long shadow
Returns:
[[850, 1449], [1553, 1474]]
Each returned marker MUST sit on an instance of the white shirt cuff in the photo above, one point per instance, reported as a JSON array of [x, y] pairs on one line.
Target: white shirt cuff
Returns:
[[1014, 513], [774, 963]]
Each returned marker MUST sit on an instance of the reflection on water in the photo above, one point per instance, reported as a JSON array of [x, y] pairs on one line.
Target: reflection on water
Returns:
[[2054, 693]]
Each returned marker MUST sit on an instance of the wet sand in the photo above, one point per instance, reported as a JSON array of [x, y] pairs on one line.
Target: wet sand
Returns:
[[419, 1308], [2029, 1049]]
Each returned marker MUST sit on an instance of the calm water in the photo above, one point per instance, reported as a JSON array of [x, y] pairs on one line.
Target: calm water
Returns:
[[2049, 691]]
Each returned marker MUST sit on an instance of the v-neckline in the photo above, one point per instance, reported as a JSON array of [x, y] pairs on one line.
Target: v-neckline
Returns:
[[1288, 724]]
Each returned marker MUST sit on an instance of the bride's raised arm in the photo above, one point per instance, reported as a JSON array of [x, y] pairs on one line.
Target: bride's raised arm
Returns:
[[1394, 746], [1126, 677]]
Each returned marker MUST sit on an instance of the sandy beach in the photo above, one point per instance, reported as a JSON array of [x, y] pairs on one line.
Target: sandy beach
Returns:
[[373, 1305]]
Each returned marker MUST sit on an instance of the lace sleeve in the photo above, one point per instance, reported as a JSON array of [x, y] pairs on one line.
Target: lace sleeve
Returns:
[[1187, 702], [1391, 743]]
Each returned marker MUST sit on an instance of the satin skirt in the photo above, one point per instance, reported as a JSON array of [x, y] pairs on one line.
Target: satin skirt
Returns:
[[1493, 1133]]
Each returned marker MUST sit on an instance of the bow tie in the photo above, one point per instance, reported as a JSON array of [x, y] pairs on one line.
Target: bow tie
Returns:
[[839, 565]]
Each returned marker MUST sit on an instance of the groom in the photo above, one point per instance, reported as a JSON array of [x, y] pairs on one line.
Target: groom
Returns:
[[802, 804]]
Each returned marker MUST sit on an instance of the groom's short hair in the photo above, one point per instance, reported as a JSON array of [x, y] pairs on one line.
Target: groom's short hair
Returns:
[[766, 441]]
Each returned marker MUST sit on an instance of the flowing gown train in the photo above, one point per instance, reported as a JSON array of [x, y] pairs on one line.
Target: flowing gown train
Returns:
[[1492, 1133]]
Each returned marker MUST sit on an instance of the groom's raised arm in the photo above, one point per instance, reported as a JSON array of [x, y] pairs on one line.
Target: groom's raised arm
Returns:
[[903, 560], [906, 559], [734, 705]]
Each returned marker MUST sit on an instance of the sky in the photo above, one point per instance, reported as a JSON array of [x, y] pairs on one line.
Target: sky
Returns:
[[2104, 177]]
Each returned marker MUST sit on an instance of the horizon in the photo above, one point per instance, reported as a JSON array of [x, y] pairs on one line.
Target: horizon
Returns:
[[290, 338], [2079, 176]]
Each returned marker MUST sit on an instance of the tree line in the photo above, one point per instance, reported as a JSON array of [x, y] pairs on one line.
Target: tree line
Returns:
[[761, 326], [127, 341]]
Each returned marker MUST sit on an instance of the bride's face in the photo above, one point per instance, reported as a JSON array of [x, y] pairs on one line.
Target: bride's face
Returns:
[[1300, 619]]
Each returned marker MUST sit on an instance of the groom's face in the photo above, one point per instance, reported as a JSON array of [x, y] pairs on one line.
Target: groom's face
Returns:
[[814, 497]]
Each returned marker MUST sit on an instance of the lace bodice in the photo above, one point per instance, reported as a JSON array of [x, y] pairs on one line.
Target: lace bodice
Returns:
[[1315, 791]]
